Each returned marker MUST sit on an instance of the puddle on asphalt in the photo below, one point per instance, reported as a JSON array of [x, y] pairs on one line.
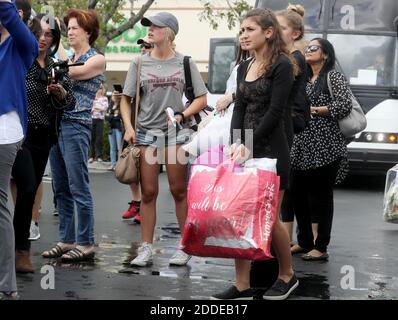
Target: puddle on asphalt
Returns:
[[313, 286], [172, 231], [113, 255], [379, 289], [81, 266]]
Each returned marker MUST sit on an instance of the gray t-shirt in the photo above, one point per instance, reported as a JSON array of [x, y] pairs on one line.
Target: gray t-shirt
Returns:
[[162, 86]]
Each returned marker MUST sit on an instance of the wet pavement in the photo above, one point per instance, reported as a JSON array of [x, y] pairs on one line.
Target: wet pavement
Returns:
[[362, 265]]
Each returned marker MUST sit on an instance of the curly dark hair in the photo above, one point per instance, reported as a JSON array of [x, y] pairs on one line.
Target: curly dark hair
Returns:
[[55, 31], [266, 18]]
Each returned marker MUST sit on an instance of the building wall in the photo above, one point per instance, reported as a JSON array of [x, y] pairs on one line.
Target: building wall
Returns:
[[193, 38]]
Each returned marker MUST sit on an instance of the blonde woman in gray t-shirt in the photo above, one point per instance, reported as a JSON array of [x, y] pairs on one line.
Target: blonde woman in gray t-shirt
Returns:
[[162, 85]]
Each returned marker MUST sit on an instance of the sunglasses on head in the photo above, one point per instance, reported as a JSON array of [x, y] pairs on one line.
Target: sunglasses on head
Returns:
[[311, 48]]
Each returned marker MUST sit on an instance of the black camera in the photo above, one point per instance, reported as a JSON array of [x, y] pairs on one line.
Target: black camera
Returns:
[[60, 70]]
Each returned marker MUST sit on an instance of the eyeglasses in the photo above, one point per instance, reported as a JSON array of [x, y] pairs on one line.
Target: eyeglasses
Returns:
[[311, 48], [47, 35]]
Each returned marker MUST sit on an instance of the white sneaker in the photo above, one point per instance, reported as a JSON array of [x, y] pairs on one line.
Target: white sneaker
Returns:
[[180, 258], [91, 160], [144, 257], [34, 232]]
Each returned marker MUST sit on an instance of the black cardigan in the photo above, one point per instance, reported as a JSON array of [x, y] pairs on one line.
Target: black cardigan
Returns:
[[260, 105]]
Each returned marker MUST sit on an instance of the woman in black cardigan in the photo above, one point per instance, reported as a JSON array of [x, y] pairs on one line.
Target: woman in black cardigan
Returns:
[[264, 85]]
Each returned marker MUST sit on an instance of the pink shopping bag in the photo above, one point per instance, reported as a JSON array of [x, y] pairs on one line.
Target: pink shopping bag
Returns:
[[212, 157], [231, 214]]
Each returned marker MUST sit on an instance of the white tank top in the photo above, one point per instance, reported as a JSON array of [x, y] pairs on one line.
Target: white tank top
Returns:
[[11, 130]]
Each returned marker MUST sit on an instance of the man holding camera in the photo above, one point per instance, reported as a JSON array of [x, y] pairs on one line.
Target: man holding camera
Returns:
[[18, 49]]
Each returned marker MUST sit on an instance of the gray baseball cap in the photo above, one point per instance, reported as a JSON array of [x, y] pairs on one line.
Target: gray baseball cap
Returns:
[[162, 19]]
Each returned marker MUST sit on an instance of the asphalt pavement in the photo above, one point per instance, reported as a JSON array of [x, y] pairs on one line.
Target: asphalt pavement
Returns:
[[362, 265]]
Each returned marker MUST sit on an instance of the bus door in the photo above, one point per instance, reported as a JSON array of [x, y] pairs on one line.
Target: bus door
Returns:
[[221, 61]]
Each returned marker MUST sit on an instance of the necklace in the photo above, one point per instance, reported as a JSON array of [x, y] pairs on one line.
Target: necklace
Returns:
[[160, 62]]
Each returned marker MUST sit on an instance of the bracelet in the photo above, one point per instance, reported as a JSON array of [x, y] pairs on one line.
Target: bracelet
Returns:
[[180, 114]]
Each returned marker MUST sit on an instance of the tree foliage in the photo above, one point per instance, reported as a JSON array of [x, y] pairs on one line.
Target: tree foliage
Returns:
[[112, 22], [214, 16]]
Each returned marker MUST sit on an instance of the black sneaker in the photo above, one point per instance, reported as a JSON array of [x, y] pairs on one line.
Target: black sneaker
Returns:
[[233, 293], [258, 293], [281, 290]]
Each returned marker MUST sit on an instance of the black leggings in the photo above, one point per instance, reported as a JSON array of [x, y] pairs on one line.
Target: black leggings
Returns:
[[287, 208], [27, 173], [312, 192], [97, 133]]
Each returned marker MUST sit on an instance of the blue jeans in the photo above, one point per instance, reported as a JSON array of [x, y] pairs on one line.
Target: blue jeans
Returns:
[[68, 160], [115, 144]]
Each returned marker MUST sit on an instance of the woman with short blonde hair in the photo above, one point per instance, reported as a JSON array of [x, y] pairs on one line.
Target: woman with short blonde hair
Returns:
[[162, 84]]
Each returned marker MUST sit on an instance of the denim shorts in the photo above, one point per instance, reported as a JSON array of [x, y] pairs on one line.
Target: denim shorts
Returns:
[[159, 139]]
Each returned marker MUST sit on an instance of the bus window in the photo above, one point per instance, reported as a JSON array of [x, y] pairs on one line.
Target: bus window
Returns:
[[314, 10], [363, 15], [222, 56], [366, 60]]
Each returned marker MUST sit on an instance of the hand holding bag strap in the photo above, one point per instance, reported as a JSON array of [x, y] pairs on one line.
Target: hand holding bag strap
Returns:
[[188, 80], [189, 90], [137, 91], [330, 85]]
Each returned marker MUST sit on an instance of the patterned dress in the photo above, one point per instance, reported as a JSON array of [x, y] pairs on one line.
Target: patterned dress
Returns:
[[322, 142]]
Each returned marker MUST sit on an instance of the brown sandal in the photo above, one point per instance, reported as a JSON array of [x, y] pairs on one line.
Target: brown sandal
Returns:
[[76, 255], [55, 252]]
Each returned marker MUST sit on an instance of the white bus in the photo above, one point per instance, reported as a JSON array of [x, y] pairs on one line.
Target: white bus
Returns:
[[364, 35]]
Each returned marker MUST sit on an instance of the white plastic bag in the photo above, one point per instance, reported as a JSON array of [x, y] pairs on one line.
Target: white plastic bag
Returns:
[[390, 210], [216, 132], [266, 164]]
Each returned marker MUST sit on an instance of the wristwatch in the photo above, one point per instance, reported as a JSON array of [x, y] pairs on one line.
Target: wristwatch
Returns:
[[180, 114]]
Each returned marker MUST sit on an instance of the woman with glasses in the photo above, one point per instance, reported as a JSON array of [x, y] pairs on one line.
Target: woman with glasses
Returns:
[[319, 153], [45, 103], [18, 49]]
